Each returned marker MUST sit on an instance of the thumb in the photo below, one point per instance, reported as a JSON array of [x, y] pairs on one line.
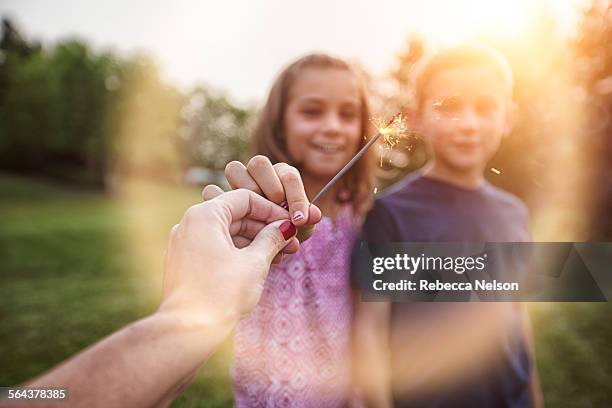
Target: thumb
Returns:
[[272, 239]]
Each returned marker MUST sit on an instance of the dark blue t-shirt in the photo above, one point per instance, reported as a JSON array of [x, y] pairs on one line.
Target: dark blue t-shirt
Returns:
[[453, 354]]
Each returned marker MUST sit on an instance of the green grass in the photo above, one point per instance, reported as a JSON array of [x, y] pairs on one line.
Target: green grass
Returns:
[[574, 353], [77, 265], [70, 275]]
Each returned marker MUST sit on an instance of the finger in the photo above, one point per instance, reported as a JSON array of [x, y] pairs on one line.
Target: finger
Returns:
[[277, 259], [241, 242], [294, 191], [261, 170], [211, 191], [271, 240], [305, 232], [292, 247], [246, 227], [238, 177], [249, 228], [314, 214], [241, 203]]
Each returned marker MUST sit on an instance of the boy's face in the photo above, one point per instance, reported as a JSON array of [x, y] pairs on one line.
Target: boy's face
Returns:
[[464, 115]]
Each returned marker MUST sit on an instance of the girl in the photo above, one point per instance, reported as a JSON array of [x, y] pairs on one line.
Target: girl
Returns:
[[294, 348]]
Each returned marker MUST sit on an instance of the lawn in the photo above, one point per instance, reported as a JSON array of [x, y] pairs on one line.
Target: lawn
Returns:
[[77, 265]]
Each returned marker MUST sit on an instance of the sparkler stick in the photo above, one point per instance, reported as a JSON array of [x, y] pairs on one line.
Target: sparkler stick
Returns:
[[360, 153]]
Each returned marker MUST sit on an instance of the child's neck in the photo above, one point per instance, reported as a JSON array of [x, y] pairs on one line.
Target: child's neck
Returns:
[[467, 179]]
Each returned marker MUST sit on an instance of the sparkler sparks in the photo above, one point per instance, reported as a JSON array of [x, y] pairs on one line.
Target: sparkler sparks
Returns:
[[443, 101], [445, 105], [494, 170], [391, 132], [396, 126]]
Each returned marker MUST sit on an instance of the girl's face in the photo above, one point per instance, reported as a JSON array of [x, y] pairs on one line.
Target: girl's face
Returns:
[[322, 122]]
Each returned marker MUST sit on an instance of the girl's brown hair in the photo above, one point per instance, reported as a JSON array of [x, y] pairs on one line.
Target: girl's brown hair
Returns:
[[268, 136]]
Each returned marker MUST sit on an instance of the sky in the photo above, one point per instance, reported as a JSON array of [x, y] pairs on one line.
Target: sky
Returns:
[[238, 46]]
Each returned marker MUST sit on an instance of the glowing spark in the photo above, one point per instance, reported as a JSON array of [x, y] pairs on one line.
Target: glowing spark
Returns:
[[441, 106], [494, 170], [440, 102], [391, 133]]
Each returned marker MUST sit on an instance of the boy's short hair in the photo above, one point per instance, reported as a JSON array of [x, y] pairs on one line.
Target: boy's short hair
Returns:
[[458, 57]]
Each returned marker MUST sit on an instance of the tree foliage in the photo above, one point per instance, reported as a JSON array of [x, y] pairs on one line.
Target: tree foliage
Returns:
[[71, 113], [214, 132], [593, 66]]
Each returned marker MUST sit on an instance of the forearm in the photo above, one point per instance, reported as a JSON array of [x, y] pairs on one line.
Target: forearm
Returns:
[[535, 388], [372, 371], [373, 375], [371, 357], [139, 366]]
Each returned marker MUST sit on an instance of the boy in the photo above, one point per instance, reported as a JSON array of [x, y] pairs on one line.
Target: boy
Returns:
[[450, 354]]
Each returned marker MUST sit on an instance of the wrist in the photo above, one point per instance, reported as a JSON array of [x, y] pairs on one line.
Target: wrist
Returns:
[[198, 336], [198, 317]]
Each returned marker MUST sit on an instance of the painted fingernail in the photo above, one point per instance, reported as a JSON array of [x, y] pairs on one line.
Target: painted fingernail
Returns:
[[298, 216], [287, 229], [284, 205]]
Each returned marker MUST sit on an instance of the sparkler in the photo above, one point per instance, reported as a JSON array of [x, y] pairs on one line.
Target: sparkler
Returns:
[[390, 132]]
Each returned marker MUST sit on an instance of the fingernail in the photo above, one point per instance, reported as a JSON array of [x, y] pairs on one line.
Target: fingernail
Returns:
[[287, 229], [298, 216], [284, 205]]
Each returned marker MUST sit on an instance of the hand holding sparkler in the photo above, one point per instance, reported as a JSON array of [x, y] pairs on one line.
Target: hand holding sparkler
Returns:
[[279, 183], [282, 183]]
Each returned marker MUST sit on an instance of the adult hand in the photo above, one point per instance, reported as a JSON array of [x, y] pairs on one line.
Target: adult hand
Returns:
[[212, 277], [280, 183], [220, 253]]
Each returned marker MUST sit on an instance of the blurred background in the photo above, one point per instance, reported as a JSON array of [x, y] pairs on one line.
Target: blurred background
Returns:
[[113, 116]]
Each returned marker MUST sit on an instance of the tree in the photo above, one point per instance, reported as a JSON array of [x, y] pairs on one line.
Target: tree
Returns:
[[214, 131], [393, 94], [73, 114], [593, 66], [53, 108]]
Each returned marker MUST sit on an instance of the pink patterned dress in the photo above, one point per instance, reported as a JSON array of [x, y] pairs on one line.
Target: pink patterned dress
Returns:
[[293, 349]]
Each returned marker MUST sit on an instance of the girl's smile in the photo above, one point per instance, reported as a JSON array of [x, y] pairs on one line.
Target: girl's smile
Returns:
[[322, 121]]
